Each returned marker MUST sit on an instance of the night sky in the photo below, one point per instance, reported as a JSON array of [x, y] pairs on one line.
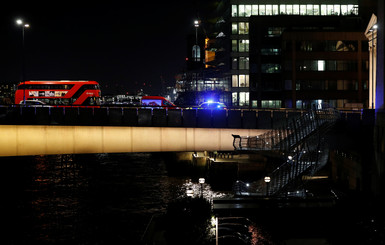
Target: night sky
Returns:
[[122, 46]]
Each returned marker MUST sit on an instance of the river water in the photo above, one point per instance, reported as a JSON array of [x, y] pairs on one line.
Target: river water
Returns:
[[110, 199], [85, 199]]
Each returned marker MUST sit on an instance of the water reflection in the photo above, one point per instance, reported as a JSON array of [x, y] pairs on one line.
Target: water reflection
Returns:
[[195, 190], [88, 199]]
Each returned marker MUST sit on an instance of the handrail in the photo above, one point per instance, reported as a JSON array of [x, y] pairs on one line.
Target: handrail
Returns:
[[300, 141]]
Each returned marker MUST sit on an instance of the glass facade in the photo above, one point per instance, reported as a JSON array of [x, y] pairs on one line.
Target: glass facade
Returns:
[[270, 68], [246, 10]]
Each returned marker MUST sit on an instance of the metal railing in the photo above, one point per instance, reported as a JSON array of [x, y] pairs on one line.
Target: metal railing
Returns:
[[300, 142]]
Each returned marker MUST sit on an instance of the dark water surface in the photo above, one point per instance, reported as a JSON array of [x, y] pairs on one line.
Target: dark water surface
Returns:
[[110, 199], [85, 199]]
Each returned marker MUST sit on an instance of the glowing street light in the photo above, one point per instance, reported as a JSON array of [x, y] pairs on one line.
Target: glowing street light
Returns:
[[189, 192], [267, 181], [23, 26], [373, 50], [196, 23], [201, 181]]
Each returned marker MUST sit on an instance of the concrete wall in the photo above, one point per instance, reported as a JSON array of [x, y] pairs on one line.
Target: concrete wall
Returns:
[[19, 140]]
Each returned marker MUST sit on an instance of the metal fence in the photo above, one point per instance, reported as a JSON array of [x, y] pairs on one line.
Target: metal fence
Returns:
[[300, 142], [144, 117]]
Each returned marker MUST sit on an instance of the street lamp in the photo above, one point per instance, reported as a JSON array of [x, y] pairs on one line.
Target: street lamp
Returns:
[[196, 48], [196, 24], [196, 52], [23, 26], [189, 192], [201, 181], [267, 181], [372, 82]]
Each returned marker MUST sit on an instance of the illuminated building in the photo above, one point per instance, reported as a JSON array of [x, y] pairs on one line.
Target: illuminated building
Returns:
[[286, 53], [298, 54]]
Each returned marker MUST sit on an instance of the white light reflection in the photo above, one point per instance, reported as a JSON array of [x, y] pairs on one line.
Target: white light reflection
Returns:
[[193, 190]]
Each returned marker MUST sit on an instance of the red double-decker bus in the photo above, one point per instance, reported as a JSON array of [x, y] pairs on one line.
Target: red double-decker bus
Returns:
[[58, 93]]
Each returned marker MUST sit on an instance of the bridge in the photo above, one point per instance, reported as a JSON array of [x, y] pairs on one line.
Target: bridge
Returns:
[[74, 130]]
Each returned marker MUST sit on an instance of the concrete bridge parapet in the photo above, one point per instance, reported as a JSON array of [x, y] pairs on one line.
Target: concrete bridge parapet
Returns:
[[19, 140]]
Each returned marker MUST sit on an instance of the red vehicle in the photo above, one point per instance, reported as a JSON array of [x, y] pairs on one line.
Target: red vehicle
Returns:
[[157, 101], [59, 93]]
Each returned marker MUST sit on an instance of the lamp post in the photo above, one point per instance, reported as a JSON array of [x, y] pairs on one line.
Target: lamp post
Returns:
[[201, 181], [196, 24], [23, 26], [372, 82], [267, 181], [196, 52]]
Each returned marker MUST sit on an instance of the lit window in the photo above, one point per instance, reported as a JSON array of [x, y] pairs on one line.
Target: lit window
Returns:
[[299, 104], [241, 12], [234, 28], [289, 9], [243, 46], [353, 9], [316, 9], [254, 9], [234, 10], [234, 81], [271, 103], [350, 9], [234, 45], [243, 27], [244, 98], [275, 10], [282, 9], [295, 9], [243, 63], [330, 10], [323, 9], [234, 96], [196, 53], [344, 9], [309, 9], [337, 9], [243, 80], [269, 9], [321, 65], [302, 10], [262, 9], [247, 10]]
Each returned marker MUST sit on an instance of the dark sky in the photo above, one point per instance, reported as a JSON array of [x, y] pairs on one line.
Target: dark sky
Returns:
[[127, 44]]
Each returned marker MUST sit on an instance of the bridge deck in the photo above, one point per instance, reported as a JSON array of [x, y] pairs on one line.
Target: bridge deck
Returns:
[[18, 140]]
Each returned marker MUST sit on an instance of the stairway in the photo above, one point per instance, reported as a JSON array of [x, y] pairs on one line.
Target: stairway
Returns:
[[300, 144]]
